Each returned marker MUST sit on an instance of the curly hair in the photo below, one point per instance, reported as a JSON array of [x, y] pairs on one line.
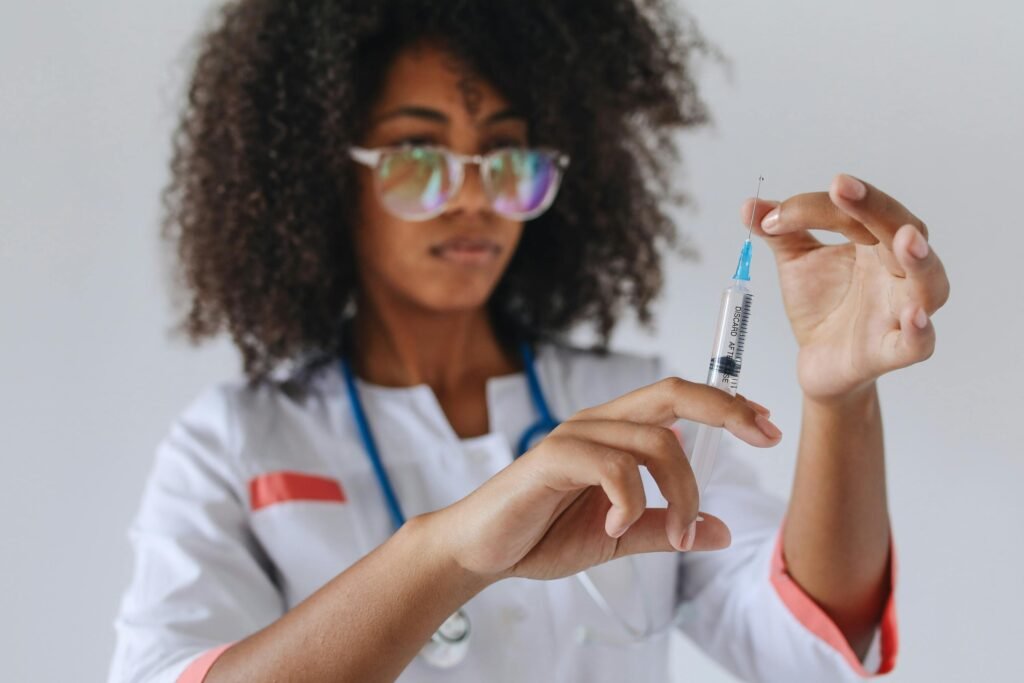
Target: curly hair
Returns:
[[261, 203]]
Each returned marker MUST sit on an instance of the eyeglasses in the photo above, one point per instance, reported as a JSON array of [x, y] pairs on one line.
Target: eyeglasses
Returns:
[[417, 182]]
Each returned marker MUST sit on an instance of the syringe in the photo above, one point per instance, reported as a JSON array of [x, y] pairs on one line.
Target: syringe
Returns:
[[726, 354]]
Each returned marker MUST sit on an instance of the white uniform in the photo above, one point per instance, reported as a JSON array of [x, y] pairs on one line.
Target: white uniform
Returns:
[[257, 499]]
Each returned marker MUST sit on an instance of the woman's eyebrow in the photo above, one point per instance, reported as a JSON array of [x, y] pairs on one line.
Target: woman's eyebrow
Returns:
[[416, 112], [437, 116], [503, 115]]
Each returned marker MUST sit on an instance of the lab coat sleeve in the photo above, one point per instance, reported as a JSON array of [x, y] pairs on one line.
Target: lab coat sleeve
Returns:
[[200, 579], [741, 606], [744, 610]]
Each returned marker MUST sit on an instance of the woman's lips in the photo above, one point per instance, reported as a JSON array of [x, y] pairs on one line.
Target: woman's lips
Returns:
[[469, 251]]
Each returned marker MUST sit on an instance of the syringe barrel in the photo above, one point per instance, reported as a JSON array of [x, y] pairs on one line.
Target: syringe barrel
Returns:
[[723, 372], [730, 336]]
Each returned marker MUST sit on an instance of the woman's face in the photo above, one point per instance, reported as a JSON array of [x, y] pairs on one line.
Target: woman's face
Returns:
[[454, 261]]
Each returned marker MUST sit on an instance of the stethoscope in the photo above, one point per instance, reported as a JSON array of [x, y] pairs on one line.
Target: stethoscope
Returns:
[[448, 645]]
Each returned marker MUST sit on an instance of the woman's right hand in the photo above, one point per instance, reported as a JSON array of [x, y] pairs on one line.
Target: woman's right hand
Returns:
[[576, 499]]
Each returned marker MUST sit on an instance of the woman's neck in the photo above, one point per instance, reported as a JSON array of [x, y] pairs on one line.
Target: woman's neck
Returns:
[[399, 345]]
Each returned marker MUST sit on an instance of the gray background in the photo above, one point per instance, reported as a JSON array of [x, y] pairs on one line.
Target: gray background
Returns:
[[924, 100]]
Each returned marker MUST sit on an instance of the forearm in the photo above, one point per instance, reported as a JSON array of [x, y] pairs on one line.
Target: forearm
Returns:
[[836, 538], [366, 624]]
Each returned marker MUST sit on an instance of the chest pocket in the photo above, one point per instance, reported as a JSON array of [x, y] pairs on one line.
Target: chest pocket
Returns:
[[315, 523], [307, 523]]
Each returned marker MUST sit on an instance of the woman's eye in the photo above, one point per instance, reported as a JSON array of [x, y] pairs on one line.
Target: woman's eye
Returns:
[[415, 141], [504, 144], [509, 142], [420, 141]]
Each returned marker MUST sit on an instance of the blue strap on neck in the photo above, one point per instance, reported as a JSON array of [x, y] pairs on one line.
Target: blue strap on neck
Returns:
[[371, 446], [535, 393], [545, 424]]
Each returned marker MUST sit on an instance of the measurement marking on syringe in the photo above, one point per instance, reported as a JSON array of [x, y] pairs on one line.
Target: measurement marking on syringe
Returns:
[[744, 318]]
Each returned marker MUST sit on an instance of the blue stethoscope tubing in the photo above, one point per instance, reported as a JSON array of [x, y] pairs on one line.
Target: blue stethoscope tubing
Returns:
[[544, 424]]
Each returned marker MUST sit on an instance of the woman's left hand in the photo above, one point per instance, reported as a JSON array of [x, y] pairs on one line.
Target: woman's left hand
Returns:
[[858, 309]]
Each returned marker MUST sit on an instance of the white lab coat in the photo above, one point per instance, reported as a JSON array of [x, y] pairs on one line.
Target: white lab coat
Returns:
[[210, 569]]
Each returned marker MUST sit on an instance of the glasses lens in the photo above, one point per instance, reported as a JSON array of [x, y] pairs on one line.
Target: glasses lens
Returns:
[[521, 182], [415, 182]]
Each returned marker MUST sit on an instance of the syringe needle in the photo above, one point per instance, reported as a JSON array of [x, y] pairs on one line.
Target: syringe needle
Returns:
[[757, 195]]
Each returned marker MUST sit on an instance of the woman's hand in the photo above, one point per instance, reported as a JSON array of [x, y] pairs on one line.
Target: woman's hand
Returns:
[[858, 309], [576, 499]]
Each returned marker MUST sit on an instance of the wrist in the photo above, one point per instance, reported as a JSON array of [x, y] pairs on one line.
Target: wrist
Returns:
[[856, 400], [430, 539]]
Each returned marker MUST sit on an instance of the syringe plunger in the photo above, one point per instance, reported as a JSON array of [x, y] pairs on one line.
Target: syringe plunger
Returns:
[[723, 371]]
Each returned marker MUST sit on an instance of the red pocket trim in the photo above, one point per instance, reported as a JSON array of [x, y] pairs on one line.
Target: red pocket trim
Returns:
[[280, 487]]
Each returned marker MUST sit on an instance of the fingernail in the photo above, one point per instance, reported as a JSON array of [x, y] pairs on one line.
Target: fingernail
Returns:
[[689, 537], [766, 426], [759, 408], [918, 245], [921, 318], [617, 531], [699, 518], [770, 222], [851, 188]]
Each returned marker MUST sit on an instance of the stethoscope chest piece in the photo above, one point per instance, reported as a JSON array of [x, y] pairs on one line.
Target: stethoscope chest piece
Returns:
[[450, 643]]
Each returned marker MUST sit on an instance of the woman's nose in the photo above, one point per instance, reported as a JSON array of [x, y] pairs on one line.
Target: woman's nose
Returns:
[[471, 197]]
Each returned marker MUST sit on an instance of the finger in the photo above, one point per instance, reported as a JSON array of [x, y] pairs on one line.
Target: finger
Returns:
[[785, 246], [673, 398], [647, 535], [756, 406], [658, 449], [814, 210], [913, 342], [583, 463], [925, 284], [877, 211]]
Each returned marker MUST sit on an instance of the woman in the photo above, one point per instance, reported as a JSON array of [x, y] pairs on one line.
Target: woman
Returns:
[[359, 501]]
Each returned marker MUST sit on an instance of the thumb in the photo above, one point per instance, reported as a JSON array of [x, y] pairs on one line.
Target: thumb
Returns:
[[647, 534], [785, 245]]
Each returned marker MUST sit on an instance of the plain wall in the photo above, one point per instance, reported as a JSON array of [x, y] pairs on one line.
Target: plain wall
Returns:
[[924, 100]]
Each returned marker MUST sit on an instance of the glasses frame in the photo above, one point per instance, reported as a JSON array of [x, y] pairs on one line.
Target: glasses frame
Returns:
[[457, 163]]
